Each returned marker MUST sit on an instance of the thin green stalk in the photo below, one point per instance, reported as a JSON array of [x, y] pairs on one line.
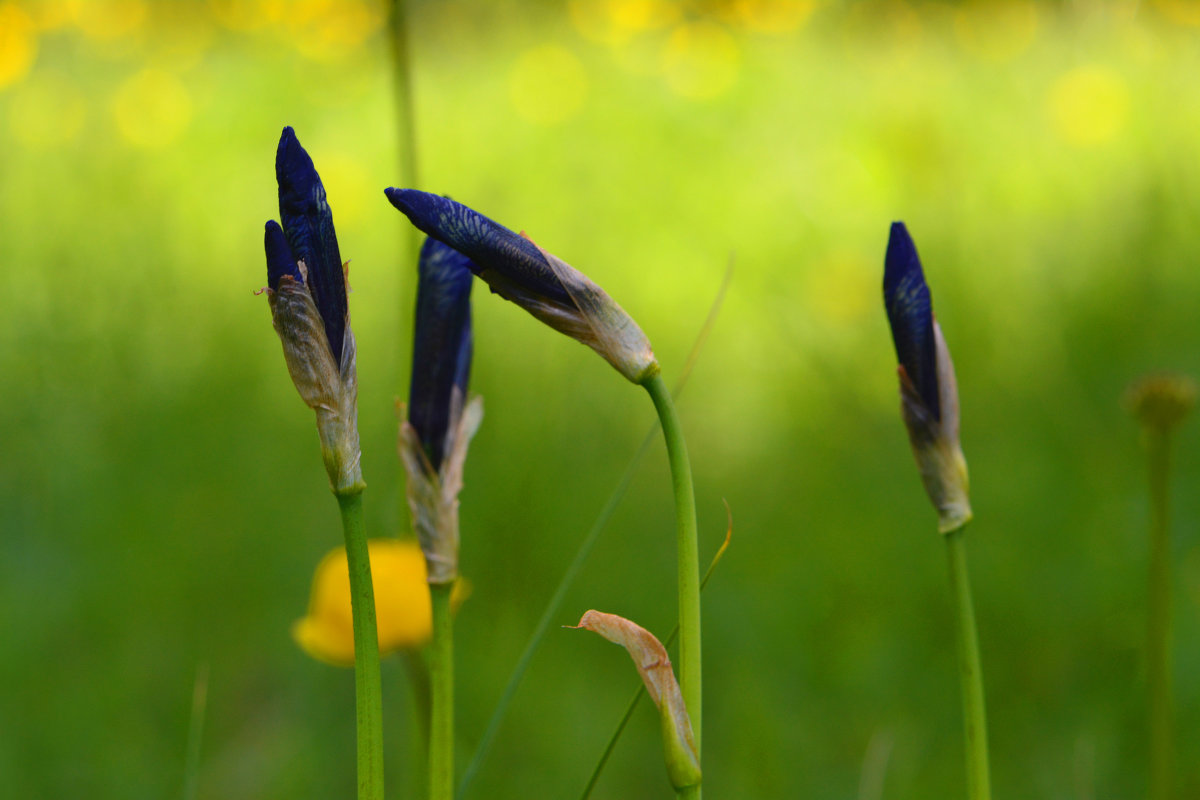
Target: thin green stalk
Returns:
[[970, 673], [1158, 629], [191, 770], [367, 691], [417, 756], [441, 673], [688, 556]]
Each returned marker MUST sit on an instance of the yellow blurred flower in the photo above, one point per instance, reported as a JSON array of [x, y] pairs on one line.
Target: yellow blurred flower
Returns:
[[18, 44], [1089, 105], [402, 608]]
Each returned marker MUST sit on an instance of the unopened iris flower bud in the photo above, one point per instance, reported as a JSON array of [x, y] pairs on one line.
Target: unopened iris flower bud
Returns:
[[928, 390], [306, 290], [544, 285], [441, 420]]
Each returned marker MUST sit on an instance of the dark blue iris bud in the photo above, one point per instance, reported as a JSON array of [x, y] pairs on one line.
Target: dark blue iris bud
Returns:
[[910, 314], [306, 285], [928, 387], [308, 225], [543, 284], [280, 260], [442, 346], [487, 243]]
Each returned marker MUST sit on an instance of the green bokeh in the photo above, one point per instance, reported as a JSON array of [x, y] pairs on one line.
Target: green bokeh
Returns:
[[162, 501]]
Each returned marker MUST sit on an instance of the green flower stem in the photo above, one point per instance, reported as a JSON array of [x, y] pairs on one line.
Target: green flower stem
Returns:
[[974, 712], [367, 692], [688, 558], [441, 673], [1158, 629]]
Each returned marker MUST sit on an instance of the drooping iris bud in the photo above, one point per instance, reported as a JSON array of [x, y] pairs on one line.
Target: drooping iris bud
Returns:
[[441, 421], [544, 285], [928, 389], [306, 290]]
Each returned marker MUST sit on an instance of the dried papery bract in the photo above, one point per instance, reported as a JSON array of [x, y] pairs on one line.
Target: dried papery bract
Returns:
[[654, 666], [928, 388], [547, 287]]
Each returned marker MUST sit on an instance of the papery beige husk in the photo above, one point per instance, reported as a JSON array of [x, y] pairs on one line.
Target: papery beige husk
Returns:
[[433, 496], [936, 444], [593, 318], [650, 658], [331, 392]]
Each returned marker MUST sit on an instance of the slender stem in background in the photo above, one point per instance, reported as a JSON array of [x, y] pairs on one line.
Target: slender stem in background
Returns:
[[585, 549], [191, 769], [970, 673], [367, 691], [687, 554], [1158, 629], [417, 755], [441, 673], [402, 73]]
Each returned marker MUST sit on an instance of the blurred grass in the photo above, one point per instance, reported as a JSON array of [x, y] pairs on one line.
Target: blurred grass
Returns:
[[162, 503]]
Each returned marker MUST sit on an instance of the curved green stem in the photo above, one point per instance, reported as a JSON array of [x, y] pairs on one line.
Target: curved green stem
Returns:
[[688, 557], [970, 673], [441, 673], [1158, 628], [367, 692]]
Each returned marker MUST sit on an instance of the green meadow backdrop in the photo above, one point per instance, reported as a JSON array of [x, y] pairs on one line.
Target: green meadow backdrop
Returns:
[[162, 500]]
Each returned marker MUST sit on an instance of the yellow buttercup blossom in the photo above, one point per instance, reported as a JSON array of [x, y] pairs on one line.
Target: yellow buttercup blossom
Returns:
[[402, 606]]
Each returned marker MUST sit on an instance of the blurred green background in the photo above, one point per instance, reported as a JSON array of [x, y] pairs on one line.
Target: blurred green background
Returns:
[[162, 500]]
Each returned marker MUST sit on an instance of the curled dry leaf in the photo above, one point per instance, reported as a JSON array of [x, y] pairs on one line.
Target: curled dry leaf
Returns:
[[653, 664]]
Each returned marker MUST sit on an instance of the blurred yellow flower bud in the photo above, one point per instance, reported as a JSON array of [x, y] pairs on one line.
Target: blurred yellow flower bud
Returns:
[[402, 605]]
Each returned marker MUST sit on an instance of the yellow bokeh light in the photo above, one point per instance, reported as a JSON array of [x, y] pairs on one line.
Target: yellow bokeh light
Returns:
[[46, 111], [18, 44], [151, 108], [616, 21], [1089, 105], [51, 14], [841, 290], [700, 60], [105, 20], [771, 16], [324, 30], [246, 15], [996, 30], [1181, 12], [547, 85]]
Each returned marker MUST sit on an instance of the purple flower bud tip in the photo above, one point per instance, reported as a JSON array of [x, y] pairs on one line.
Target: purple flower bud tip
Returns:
[[488, 244], [442, 346], [280, 260], [307, 223], [910, 314]]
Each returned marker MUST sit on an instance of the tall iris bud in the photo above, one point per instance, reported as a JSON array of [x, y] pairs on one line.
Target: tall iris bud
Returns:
[[441, 421], [306, 290], [928, 389], [546, 286]]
